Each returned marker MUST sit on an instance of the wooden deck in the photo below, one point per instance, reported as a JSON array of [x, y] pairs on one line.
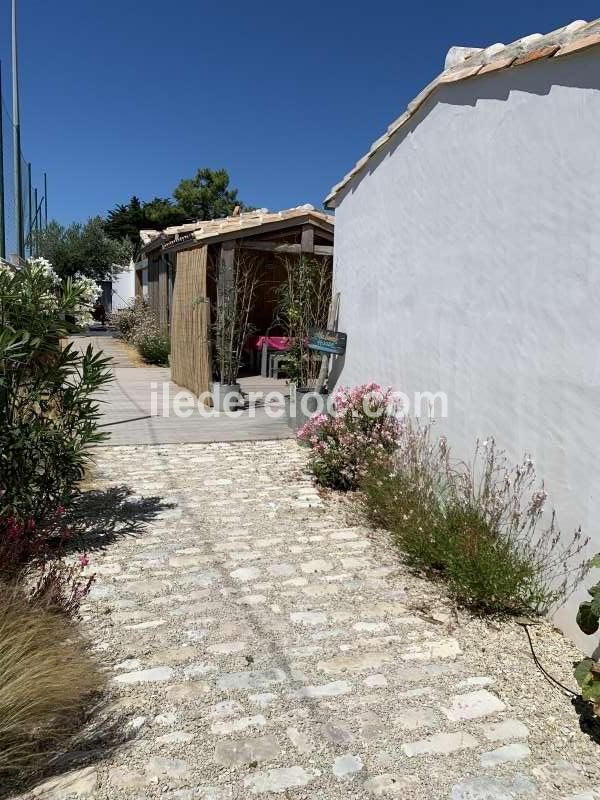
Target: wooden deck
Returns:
[[135, 411]]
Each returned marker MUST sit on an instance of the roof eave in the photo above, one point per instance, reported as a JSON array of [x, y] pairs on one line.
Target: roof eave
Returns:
[[553, 45]]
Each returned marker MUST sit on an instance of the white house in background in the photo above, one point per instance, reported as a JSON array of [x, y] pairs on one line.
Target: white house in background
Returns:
[[123, 288], [467, 257]]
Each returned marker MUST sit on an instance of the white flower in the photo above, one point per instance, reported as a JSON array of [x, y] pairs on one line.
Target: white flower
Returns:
[[43, 266]]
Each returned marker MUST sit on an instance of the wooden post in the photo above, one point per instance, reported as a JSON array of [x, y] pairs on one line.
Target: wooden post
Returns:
[[308, 239], [139, 291], [225, 281], [334, 310]]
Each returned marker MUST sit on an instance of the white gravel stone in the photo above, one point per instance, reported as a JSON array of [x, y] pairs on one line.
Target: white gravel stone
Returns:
[[300, 741], [376, 681], [279, 780], [197, 670], [473, 705], [223, 728], [415, 718], [167, 767], [176, 737], [247, 751], [317, 565], [263, 699], [123, 777], [79, 783], [154, 675], [165, 720], [506, 754], [246, 574], [390, 785], [252, 680], [440, 744], [308, 618], [227, 648], [326, 690], [347, 765], [507, 729]]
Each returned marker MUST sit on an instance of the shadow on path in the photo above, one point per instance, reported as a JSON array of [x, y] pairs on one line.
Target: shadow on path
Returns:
[[99, 517], [98, 736]]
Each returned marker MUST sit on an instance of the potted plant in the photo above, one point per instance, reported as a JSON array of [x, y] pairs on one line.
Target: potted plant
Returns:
[[230, 331], [304, 301]]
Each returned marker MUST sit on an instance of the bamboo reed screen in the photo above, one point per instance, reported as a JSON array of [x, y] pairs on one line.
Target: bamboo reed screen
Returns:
[[190, 324]]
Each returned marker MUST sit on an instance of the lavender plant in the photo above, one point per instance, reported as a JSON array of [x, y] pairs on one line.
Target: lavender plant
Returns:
[[481, 525]]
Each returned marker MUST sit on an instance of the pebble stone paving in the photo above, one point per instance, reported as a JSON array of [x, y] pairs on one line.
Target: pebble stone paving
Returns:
[[261, 643]]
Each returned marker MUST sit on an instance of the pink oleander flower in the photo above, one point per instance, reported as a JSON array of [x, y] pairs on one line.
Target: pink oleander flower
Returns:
[[362, 424], [84, 560]]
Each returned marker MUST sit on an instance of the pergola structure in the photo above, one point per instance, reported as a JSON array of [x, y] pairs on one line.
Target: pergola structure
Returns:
[[186, 263]]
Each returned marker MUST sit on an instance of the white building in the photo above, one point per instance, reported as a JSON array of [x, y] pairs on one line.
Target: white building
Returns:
[[467, 255], [123, 288]]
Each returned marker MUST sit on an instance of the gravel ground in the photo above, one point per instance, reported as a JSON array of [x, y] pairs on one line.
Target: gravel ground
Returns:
[[262, 643]]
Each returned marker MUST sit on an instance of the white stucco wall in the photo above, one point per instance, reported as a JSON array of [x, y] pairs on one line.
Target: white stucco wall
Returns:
[[123, 288], [468, 261]]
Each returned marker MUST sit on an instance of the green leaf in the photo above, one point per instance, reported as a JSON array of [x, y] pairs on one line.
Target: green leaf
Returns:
[[595, 606], [591, 691], [595, 561], [582, 671], [587, 619]]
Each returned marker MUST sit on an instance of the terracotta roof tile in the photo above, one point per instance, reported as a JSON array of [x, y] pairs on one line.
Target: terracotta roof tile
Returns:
[[534, 55], [579, 44], [459, 74], [213, 228], [497, 64]]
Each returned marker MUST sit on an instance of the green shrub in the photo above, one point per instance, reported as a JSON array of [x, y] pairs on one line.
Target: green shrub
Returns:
[[139, 326], [587, 671], [48, 412], [154, 346], [480, 525], [46, 676], [126, 320]]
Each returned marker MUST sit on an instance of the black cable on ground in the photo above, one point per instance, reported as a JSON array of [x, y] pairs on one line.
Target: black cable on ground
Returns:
[[556, 684]]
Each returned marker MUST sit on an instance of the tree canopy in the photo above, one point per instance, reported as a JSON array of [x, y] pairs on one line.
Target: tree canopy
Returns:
[[96, 247], [125, 221], [84, 248], [207, 195]]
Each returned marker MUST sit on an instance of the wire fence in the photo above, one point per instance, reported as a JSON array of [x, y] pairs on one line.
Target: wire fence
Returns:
[[33, 183]]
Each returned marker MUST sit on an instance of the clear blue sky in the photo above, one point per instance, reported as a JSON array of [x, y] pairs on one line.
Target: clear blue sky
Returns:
[[127, 97]]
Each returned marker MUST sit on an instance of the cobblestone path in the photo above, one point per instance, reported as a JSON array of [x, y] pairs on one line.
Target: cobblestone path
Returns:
[[261, 646]]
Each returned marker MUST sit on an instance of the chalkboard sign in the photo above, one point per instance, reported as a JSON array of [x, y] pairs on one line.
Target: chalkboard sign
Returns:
[[330, 342]]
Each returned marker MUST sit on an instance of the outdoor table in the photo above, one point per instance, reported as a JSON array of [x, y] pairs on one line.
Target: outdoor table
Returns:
[[263, 343]]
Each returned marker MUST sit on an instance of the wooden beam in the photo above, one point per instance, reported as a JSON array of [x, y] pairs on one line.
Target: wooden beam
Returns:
[[277, 247]]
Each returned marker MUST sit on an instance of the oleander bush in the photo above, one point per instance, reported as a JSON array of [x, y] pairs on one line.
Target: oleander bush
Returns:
[[49, 417], [46, 678], [481, 525], [361, 427]]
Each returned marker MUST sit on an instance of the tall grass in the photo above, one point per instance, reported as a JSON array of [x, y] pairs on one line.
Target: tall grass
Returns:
[[45, 678], [480, 525]]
